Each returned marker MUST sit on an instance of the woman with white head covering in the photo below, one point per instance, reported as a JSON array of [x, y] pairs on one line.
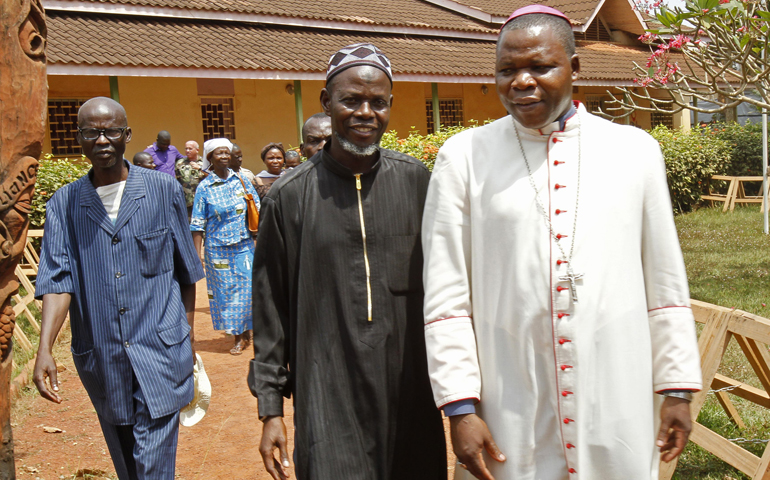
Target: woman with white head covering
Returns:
[[220, 210]]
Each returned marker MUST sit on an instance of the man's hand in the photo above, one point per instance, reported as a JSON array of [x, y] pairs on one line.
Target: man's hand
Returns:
[[274, 436], [470, 437], [675, 426], [45, 366]]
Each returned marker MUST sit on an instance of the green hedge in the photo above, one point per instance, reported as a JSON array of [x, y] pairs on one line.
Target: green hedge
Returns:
[[52, 174], [691, 159], [422, 147]]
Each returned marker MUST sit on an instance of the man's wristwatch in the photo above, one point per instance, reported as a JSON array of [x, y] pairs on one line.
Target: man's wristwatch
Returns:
[[683, 394]]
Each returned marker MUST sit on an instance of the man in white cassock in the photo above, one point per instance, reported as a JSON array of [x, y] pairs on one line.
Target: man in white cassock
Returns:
[[559, 333]]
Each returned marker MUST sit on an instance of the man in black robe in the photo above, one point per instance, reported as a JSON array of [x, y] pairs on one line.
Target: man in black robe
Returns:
[[338, 296]]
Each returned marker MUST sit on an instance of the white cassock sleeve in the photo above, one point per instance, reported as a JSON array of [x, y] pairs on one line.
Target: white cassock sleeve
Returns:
[[446, 238], [676, 362]]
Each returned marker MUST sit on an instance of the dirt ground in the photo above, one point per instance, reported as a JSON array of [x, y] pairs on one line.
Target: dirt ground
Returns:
[[224, 445]]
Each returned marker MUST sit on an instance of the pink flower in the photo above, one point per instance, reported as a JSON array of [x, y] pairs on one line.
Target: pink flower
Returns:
[[724, 1]]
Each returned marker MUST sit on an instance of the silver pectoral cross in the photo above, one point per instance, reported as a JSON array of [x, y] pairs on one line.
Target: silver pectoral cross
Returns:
[[571, 277]]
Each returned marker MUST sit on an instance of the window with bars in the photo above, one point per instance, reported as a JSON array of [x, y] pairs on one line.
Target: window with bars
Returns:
[[660, 118], [450, 113], [218, 116], [63, 126], [596, 103]]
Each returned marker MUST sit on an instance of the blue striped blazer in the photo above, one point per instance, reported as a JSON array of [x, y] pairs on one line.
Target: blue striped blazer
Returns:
[[126, 311]]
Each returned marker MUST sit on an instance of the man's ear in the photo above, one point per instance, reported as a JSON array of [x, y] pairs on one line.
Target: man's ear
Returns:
[[326, 100], [129, 133], [575, 63]]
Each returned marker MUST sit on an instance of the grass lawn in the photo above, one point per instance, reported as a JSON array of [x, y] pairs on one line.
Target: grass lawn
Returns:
[[728, 263]]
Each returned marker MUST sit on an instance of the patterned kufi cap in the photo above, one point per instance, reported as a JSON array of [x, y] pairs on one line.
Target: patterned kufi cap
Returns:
[[356, 55], [529, 9], [211, 145]]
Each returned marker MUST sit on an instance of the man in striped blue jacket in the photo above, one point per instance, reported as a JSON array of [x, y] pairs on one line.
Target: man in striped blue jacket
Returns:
[[118, 254]]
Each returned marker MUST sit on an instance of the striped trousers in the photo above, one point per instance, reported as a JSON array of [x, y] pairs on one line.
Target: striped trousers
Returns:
[[145, 450]]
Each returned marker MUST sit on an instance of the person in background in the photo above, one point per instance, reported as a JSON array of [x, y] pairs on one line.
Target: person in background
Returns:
[[191, 151], [164, 154], [292, 160], [236, 164], [117, 254], [144, 160], [189, 173], [316, 131], [273, 155], [220, 211]]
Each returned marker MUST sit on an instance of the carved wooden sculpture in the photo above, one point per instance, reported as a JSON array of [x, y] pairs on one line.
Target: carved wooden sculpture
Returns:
[[23, 98]]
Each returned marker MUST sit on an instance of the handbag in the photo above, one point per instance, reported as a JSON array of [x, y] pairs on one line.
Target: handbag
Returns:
[[252, 214]]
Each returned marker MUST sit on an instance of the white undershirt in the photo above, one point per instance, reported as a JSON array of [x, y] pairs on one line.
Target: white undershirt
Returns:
[[111, 196]]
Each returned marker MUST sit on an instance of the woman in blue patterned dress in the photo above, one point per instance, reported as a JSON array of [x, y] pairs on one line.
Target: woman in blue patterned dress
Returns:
[[220, 210]]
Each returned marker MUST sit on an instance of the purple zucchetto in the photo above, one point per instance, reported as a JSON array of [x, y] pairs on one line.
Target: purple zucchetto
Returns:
[[358, 54], [529, 9]]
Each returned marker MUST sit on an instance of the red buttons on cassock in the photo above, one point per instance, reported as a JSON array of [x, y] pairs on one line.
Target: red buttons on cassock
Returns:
[[556, 163], [567, 420], [561, 289], [564, 367], [559, 211], [569, 445], [559, 262], [562, 315], [572, 470], [560, 236], [555, 140], [562, 341], [557, 186], [566, 393]]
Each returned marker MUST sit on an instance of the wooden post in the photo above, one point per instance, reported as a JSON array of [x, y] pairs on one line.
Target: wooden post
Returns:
[[298, 109], [435, 103], [114, 92], [23, 103], [752, 333]]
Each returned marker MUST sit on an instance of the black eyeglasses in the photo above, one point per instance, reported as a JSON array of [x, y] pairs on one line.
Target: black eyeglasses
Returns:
[[113, 133]]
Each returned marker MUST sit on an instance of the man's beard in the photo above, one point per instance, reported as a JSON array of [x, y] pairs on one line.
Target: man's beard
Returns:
[[354, 149]]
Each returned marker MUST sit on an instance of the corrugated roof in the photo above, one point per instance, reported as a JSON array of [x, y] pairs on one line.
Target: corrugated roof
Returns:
[[403, 13], [116, 40]]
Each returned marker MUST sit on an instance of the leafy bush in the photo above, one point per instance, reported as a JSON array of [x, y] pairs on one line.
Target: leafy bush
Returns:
[[52, 174], [691, 159], [422, 147], [746, 143]]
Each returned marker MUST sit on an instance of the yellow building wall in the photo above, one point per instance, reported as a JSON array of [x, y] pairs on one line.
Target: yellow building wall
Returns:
[[408, 112], [265, 109], [481, 106], [264, 113], [153, 104]]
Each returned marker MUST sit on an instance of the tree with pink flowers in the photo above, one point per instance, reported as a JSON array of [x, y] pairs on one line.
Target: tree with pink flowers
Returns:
[[709, 50]]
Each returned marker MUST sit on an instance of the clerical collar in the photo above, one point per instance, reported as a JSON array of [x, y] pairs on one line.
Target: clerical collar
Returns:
[[563, 119]]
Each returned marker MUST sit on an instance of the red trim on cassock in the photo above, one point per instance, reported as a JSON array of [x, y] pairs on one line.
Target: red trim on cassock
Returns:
[[679, 390], [447, 318], [669, 306], [459, 400]]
